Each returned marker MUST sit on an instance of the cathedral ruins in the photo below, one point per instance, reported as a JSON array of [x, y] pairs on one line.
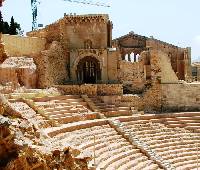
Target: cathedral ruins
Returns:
[[72, 97]]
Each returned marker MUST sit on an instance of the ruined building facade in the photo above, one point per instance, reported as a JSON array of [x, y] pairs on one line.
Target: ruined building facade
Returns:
[[80, 46], [79, 49]]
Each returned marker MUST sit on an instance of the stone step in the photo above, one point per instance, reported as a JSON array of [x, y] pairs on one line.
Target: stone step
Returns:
[[189, 167], [178, 148], [68, 100], [114, 151], [57, 108], [182, 143], [117, 113], [179, 154], [117, 157], [105, 147], [97, 132], [186, 165], [72, 103], [127, 159], [183, 159], [189, 118], [177, 125], [143, 163], [75, 118], [151, 167], [76, 126], [108, 137], [44, 99], [61, 112], [123, 108]]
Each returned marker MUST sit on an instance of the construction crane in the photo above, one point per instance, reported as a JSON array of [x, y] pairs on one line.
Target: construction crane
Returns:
[[35, 3]]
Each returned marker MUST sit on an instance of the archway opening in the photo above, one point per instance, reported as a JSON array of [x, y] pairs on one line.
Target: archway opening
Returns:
[[88, 70]]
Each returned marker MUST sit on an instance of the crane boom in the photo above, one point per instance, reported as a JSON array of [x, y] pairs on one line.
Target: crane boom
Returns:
[[89, 3], [34, 7]]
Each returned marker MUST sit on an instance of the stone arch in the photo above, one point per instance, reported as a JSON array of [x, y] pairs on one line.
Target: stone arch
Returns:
[[79, 58], [88, 70]]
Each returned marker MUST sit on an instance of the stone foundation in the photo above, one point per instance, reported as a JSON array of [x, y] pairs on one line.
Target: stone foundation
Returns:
[[92, 89]]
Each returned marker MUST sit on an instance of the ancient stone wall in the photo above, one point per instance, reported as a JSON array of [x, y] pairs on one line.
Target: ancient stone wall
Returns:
[[131, 75], [84, 31], [152, 98], [180, 97], [22, 46], [52, 66], [180, 58], [133, 101], [3, 54], [19, 70], [78, 31], [113, 66], [92, 89], [50, 33], [161, 67]]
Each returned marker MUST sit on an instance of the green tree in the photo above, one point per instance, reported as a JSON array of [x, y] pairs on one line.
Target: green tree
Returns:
[[13, 29], [6, 28], [1, 22], [18, 28]]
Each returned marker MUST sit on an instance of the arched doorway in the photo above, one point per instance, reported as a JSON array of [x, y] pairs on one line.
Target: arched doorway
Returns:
[[88, 70]]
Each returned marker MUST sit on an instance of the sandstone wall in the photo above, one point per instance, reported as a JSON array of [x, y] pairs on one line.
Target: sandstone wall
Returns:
[[180, 58], [113, 58], [152, 98], [131, 75], [52, 66], [3, 54], [181, 97], [22, 46], [161, 67], [92, 89], [76, 30], [19, 70], [73, 31], [50, 33], [133, 101]]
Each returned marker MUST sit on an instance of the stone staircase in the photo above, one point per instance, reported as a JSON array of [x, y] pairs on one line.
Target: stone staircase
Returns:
[[27, 112], [110, 149], [189, 121], [139, 142], [177, 146], [112, 110], [65, 109], [121, 128]]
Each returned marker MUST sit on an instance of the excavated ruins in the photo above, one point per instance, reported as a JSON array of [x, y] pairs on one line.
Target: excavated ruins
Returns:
[[73, 98]]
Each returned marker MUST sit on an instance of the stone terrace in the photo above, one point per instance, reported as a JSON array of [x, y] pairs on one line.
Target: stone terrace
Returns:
[[116, 141]]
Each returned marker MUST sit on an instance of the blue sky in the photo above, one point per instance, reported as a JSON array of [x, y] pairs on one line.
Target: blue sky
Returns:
[[173, 21]]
